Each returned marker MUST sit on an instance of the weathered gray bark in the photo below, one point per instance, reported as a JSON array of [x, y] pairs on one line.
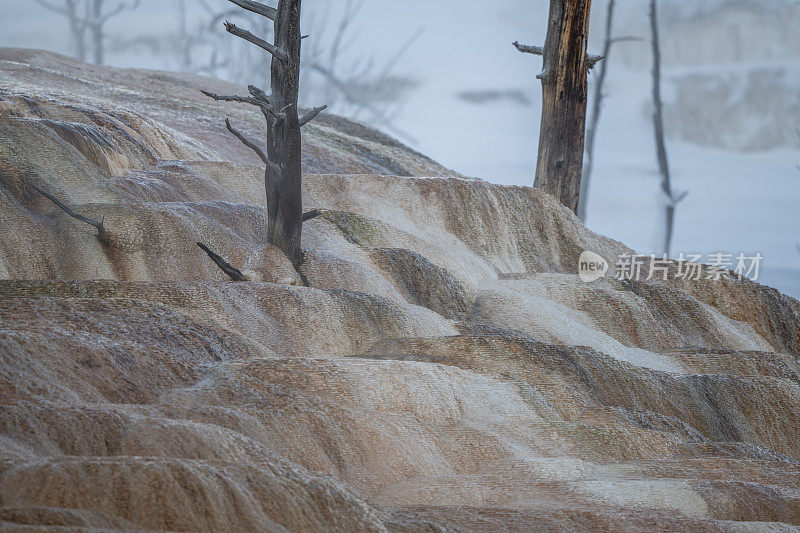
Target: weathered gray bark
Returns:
[[597, 107], [671, 197], [284, 146], [560, 163]]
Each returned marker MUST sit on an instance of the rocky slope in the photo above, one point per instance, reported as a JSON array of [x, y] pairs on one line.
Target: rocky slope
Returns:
[[443, 369]]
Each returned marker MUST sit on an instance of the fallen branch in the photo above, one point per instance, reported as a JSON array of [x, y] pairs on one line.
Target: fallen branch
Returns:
[[101, 230], [234, 273]]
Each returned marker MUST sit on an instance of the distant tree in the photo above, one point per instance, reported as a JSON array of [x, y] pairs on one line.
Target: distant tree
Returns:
[[282, 156], [74, 11], [597, 108], [671, 197], [352, 83], [564, 88], [357, 87], [87, 19]]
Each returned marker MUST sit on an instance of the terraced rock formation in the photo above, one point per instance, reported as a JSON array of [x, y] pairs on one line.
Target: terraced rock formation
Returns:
[[438, 366]]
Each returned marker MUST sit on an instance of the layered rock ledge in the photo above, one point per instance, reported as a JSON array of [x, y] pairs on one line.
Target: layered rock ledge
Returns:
[[438, 366]]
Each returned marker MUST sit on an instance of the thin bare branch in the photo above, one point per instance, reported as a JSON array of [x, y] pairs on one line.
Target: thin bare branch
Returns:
[[390, 65], [311, 115], [678, 198], [52, 7], [265, 106], [273, 178], [257, 7], [628, 38], [101, 230], [591, 60], [249, 37], [242, 99], [245, 141], [234, 273], [119, 9]]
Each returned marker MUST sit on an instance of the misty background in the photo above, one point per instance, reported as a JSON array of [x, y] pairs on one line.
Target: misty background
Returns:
[[443, 77]]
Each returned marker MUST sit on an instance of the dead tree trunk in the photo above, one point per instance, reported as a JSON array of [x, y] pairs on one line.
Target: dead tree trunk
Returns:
[[671, 198], [566, 64], [597, 107], [96, 23], [282, 157]]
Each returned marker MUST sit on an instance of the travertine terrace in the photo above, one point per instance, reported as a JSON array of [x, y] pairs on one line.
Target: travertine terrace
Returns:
[[438, 366]]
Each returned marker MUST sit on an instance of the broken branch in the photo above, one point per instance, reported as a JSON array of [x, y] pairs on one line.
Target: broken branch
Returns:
[[528, 49], [101, 230], [249, 37], [311, 115], [314, 213], [234, 273], [591, 60], [257, 7], [258, 93]]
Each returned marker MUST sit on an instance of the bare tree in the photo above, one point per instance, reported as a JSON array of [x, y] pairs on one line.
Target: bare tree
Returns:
[[671, 197], [196, 45], [564, 88], [75, 12], [357, 87], [282, 157], [597, 107], [100, 12], [87, 20]]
